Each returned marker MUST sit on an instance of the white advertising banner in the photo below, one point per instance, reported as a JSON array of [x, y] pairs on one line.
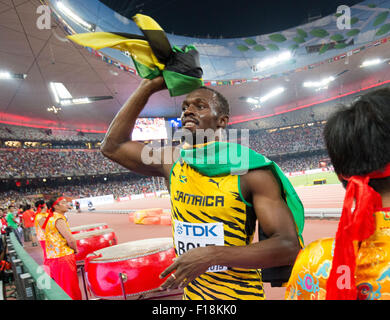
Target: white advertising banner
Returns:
[[94, 200]]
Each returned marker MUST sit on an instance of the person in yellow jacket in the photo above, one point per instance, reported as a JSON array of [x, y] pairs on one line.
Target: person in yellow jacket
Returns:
[[41, 213], [60, 247], [355, 264]]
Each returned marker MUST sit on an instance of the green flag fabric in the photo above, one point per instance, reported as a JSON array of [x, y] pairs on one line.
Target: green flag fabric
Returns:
[[221, 158]]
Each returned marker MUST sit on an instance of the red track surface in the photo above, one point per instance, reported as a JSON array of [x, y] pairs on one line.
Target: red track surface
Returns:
[[312, 197]]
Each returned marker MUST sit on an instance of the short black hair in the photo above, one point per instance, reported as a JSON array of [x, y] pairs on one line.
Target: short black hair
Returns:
[[358, 137], [222, 101], [39, 202]]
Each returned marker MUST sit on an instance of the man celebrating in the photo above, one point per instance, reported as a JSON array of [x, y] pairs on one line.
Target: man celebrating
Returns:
[[214, 212]]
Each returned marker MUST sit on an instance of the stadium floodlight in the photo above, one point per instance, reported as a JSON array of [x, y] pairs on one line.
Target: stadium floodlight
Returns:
[[68, 102], [256, 102], [59, 91], [369, 63], [319, 84], [71, 15], [252, 101], [81, 101], [5, 75], [271, 94], [271, 62]]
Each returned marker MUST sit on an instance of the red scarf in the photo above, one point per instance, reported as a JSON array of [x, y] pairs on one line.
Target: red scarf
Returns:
[[39, 208], [353, 226], [51, 212]]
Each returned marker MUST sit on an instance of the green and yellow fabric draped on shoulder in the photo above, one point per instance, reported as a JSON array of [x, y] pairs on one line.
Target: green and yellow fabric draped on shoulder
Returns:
[[221, 158], [152, 54]]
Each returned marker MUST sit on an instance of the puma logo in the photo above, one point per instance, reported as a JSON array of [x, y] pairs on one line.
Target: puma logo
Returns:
[[213, 181]]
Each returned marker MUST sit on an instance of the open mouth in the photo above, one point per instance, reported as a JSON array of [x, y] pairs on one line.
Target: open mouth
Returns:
[[189, 123]]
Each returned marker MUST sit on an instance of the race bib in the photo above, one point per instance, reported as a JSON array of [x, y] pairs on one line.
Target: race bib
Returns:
[[192, 235]]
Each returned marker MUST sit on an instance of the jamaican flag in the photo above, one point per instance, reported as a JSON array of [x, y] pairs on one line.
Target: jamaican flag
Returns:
[[152, 54]]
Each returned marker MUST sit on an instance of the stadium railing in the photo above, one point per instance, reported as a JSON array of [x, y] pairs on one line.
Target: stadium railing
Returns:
[[326, 213], [31, 280]]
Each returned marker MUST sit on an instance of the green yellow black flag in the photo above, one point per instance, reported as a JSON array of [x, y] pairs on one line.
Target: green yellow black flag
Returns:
[[152, 54]]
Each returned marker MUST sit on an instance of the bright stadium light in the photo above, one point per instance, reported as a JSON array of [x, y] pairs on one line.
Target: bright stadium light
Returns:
[[5, 75], [256, 102], [68, 102], [271, 62], [272, 94], [369, 63], [81, 101], [319, 84], [252, 101], [59, 91], [71, 15]]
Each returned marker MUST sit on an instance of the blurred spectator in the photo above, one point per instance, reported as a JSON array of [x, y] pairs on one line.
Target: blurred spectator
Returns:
[[28, 218], [13, 224]]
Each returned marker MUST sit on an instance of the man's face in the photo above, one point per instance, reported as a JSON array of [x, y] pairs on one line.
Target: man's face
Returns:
[[200, 110]]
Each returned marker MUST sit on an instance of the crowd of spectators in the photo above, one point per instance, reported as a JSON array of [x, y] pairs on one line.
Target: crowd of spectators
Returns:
[[48, 163], [292, 140], [43, 163], [293, 149], [301, 163], [137, 185], [8, 132], [116, 188]]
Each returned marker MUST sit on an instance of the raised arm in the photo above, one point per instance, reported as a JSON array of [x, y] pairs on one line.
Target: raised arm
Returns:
[[281, 248], [117, 144]]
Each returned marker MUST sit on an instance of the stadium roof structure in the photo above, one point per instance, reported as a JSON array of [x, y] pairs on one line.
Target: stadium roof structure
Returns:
[[317, 51]]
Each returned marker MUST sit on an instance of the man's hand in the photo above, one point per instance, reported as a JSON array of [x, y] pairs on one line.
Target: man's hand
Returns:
[[188, 266], [155, 85]]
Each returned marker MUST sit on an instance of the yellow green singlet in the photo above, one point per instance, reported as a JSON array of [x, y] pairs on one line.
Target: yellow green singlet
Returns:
[[211, 211]]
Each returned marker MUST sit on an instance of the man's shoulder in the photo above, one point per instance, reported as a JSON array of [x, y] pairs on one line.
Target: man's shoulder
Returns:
[[261, 180], [257, 173]]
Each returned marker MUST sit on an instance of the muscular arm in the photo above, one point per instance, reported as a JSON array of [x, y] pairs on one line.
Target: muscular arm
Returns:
[[65, 232], [117, 144], [275, 218]]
